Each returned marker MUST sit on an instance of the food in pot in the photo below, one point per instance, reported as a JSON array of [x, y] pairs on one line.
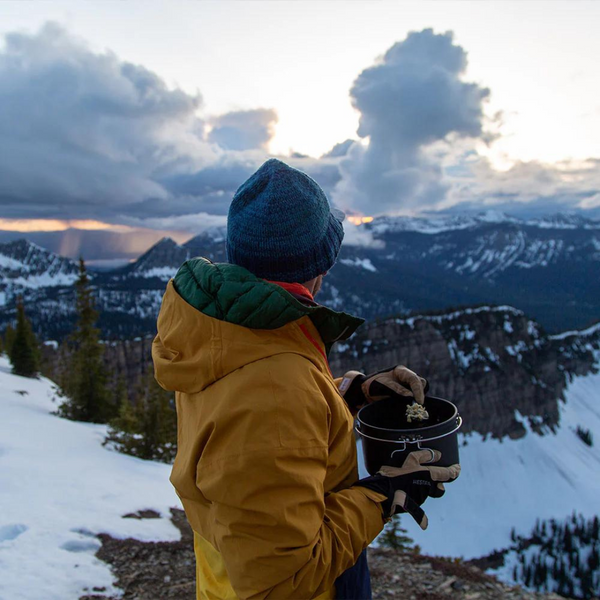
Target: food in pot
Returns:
[[416, 412]]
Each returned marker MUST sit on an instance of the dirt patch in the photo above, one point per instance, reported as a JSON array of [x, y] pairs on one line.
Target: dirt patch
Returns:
[[166, 570]]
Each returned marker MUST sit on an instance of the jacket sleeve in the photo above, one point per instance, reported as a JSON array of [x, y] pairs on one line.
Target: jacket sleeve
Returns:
[[279, 534], [338, 382]]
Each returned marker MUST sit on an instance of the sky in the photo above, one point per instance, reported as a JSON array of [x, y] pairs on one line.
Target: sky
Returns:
[[136, 117]]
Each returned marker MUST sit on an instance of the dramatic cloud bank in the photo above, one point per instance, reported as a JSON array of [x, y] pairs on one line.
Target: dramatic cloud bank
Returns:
[[414, 96], [81, 134], [85, 135]]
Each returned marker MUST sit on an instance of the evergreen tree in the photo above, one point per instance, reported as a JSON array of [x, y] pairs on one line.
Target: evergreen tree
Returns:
[[84, 381], [24, 351], [148, 428], [394, 536], [567, 540], [9, 338]]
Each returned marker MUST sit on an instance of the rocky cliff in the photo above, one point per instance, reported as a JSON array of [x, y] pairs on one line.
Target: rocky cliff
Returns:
[[493, 362]]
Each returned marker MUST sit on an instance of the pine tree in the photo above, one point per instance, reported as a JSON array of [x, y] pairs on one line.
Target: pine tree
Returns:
[[394, 536], [567, 540], [24, 352], [148, 428], [84, 381], [9, 338]]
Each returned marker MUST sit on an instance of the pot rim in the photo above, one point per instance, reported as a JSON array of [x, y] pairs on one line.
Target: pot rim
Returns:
[[406, 440], [411, 431]]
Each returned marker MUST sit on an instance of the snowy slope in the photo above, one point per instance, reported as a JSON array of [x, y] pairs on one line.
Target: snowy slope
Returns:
[[26, 265], [58, 488], [510, 483]]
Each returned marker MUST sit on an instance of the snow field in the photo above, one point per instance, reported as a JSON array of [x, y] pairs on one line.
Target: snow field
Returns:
[[59, 487]]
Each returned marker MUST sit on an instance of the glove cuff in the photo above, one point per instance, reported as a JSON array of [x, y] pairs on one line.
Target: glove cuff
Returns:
[[381, 485], [351, 389]]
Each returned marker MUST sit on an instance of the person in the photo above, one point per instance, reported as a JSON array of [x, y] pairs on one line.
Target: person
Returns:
[[266, 464]]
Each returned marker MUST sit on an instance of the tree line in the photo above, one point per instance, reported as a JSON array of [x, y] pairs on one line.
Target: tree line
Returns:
[[144, 425], [560, 557]]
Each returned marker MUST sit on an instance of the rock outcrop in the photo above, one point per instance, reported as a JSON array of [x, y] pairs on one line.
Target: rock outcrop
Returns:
[[494, 363]]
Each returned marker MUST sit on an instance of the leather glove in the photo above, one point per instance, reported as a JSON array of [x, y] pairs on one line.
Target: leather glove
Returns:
[[408, 486], [358, 389]]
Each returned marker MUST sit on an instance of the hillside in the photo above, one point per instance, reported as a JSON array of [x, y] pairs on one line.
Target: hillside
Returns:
[[59, 488], [546, 471], [549, 268]]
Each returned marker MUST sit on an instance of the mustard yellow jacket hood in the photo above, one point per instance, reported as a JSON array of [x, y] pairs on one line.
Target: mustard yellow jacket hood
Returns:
[[189, 353], [266, 456]]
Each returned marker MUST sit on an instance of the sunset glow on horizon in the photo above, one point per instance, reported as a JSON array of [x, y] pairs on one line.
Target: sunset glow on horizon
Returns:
[[29, 225], [359, 220]]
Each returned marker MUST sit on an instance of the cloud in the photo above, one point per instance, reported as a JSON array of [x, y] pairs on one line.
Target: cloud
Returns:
[[86, 135], [190, 223], [526, 189], [340, 149], [244, 129], [412, 97]]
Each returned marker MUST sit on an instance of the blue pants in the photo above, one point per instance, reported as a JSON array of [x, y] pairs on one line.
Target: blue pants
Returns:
[[355, 583]]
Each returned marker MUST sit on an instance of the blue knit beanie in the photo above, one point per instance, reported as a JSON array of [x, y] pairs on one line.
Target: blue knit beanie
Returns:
[[280, 226]]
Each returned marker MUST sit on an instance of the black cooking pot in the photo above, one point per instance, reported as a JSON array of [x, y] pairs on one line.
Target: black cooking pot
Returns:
[[388, 438]]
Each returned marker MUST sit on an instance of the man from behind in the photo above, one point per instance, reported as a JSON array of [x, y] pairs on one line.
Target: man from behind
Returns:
[[266, 464]]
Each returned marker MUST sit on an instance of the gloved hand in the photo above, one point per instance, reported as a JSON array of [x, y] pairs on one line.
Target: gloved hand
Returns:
[[408, 486], [358, 389]]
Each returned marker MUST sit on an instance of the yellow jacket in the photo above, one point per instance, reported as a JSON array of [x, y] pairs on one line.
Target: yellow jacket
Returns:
[[266, 452]]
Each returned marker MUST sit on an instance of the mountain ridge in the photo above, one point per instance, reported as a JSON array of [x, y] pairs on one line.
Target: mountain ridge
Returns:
[[550, 272]]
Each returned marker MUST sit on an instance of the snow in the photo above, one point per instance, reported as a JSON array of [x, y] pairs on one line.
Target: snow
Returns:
[[59, 487], [431, 224], [7, 262], [510, 483], [41, 280], [584, 333], [410, 321], [38, 267], [164, 273], [364, 263]]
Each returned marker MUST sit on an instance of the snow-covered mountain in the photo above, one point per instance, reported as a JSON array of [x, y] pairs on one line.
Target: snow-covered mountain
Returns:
[[550, 268], [441, 223], [59, 488], [26, 266]]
